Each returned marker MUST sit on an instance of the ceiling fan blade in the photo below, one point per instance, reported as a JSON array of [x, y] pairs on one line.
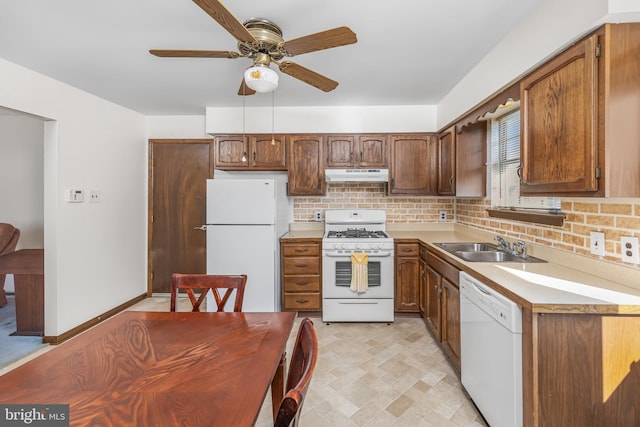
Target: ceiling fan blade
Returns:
[[229, 22], [323, 40], [306, 75], [168, 53], [245, 90]]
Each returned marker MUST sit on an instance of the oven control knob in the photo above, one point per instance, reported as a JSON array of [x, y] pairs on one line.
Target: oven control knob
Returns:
[[359, 246], [338, 246]]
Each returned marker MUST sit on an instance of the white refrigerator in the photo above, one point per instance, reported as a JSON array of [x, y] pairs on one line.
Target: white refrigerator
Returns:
[[245, 220]]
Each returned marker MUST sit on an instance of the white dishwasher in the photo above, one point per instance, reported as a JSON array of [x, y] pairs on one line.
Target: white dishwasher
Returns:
[[491, 352]]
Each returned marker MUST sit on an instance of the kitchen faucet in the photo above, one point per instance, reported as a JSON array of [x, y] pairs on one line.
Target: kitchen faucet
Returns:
[[502, 244], [519, 249]]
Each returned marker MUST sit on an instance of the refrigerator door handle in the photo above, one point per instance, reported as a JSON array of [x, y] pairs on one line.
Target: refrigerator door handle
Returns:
[[203, 227]]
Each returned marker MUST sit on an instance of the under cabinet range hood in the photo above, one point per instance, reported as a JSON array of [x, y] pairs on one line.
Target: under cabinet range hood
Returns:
[[356, 175]]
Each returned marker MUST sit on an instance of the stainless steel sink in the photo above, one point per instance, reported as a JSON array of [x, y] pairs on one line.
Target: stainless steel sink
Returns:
[[483, 252], [466, 247]]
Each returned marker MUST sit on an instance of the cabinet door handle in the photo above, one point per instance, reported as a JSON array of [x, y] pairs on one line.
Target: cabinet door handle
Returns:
[[519, 172], [451, 181]]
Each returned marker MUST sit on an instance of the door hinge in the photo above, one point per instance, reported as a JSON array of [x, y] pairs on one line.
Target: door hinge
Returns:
[[598, 50], [597, 172]]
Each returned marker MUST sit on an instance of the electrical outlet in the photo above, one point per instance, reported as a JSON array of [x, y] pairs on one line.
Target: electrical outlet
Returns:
[[317, 215], [597, 243], [443, 216], [94, 196], [629, 249]]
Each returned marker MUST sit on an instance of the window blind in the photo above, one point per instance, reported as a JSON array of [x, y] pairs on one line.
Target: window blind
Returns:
[[505, 165]]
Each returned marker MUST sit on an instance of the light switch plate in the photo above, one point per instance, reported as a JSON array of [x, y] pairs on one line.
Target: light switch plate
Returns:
[[629, 249], [597, 243]]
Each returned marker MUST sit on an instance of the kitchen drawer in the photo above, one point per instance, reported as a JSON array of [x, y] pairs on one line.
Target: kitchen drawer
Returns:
[[296, 250], [302, 302], [301, 265], [407, 249], [447, 270], [301, 283]]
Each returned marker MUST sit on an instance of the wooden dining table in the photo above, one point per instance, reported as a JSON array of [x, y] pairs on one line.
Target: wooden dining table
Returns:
[[161, 369]]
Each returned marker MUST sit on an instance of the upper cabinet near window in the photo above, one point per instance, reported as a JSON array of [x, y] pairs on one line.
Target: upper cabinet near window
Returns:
[[579, 115], [471, 160], [413, 168], [357, 151], [250, 152], [447, 162]]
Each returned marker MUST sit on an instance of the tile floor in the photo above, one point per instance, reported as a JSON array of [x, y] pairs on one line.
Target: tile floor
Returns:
[[374, 375], [370, 374]]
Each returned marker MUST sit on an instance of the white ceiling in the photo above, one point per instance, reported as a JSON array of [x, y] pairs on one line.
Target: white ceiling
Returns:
[[409, 52]]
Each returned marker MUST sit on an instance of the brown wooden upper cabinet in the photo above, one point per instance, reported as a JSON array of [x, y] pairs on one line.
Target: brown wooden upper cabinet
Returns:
[[357, 151], [413, 168], [579, 121], [447, 162], [306, 166], [253, 152], [471, 160]]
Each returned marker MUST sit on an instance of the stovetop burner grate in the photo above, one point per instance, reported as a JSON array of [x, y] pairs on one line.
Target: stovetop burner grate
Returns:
[[357, 233]]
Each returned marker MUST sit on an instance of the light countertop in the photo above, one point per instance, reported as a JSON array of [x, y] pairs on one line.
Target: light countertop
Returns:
[[566, 283], [541, 287]]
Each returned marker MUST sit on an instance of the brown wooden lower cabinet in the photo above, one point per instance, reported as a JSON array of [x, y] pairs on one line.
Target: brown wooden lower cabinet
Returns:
[[301, 274], [407, 286], [581, 370], [442, 305]]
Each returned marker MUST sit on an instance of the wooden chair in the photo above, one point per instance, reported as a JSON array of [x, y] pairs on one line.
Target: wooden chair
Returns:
[[206, 282], [301, 368], [9, 236]]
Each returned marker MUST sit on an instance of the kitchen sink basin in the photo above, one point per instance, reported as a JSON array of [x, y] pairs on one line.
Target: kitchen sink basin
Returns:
[[483, 252], [493, 256], [466, 247]]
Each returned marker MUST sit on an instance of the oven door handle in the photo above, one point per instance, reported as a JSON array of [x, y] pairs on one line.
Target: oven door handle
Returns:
[[345, 255]]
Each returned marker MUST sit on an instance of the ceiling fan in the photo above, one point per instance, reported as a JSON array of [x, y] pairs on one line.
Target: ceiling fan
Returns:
[[261, 40]]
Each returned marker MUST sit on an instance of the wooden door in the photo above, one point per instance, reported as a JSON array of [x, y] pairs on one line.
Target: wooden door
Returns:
[[471, 159], [372, 151], [447, 162], [306, 165], [433, 301], [231, 152], [340, 151], [411, 167], [268, 152], [559, 123], [178, 170], [451, 320], [407, 289]]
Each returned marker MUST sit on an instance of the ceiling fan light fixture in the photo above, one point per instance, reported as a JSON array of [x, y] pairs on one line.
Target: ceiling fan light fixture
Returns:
[[261, 78]]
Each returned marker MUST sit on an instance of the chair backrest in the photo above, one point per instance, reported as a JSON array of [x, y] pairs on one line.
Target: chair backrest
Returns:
[[303, 363], [206, 282], [9, 236]]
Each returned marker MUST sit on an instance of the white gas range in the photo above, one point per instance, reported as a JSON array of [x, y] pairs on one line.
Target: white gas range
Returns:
[[357, 231]]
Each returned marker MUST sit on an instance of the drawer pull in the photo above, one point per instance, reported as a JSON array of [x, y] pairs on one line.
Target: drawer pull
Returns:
[[302, 283], [302, 301], [302, 265], [301, 250]]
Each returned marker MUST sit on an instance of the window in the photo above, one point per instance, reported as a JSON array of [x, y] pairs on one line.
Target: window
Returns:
[[505, 167]]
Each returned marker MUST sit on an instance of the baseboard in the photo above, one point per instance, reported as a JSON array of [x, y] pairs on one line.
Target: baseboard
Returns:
[[54, 340]]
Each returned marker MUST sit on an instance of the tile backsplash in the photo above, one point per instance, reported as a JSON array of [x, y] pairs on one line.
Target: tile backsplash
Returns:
[[614, 217], [372, 196]]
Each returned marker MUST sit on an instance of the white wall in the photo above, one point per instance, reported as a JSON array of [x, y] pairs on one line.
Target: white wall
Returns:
[[553, 26], [391, 118], [95, 253], [176, 127]]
